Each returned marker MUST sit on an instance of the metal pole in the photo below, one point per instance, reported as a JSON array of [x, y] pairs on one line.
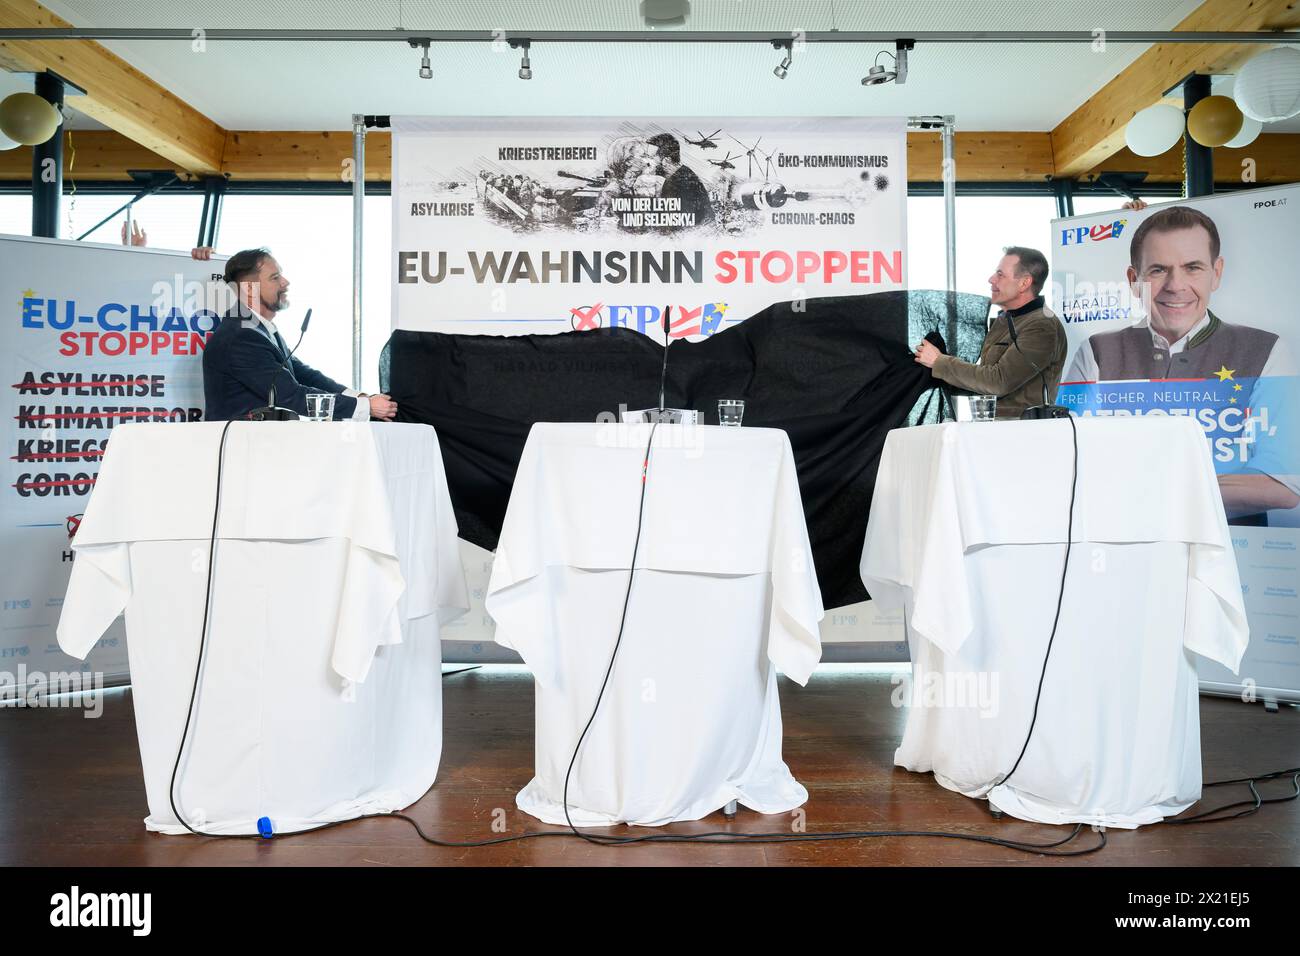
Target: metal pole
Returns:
[[358, 211], [143, 194], [47, 165], [950, 200], [1198, 160], [278, 35]]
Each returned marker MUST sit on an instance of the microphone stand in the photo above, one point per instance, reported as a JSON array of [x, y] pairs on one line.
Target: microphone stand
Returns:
[[663, 373], [270, 412], [1047, 409]]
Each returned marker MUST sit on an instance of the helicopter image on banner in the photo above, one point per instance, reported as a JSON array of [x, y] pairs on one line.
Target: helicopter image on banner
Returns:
[[704, 142]]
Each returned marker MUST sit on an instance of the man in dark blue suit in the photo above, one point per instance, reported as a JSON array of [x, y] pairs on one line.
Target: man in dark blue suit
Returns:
[[246, 355]]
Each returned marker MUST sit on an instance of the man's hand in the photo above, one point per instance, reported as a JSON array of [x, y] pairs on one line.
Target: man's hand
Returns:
[[138, 236], [926, 354], [382, 408], [202, 252], [1135, 204]]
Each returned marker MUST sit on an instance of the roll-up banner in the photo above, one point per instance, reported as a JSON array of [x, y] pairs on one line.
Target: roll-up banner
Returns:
[[95, 335], [1193, 308]]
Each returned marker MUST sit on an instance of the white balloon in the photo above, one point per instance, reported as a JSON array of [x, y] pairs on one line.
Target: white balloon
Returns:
[[1268, 87], [7, 143], [1249, 130], [1154, 130]]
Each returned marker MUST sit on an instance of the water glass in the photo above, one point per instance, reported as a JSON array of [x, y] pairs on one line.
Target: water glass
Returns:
[[731, 411], [983, 408], [320, 406]]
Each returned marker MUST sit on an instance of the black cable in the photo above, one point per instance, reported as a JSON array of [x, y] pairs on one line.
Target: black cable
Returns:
[[622, 622], [711, 837], [203, 637], [198, 668], [1060, 599], [1253, 805]]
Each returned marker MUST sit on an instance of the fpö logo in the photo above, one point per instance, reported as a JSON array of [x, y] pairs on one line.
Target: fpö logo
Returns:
[[1103, 230], [686, 320]]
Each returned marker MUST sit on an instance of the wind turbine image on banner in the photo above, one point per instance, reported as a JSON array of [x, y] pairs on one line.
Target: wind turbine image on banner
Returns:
[[751, 152]]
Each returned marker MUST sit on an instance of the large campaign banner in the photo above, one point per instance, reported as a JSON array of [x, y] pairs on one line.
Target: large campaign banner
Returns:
[[1193, 308], [94, 336], [512, 225]]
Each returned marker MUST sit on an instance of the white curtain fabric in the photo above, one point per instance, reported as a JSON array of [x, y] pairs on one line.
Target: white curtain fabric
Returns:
[[967, 534], [336, 563], [724, 593]]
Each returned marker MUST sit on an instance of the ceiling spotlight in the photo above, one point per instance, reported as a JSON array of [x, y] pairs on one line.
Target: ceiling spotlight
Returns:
[[525, 67], [784, 66], [878, 74], [665, 13], [426, 68]]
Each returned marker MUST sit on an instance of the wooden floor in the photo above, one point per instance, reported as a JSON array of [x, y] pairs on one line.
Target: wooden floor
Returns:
[[71, 793]]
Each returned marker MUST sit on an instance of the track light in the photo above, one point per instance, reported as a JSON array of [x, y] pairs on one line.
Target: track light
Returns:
[[784, 66], [426, 68], [878, 74], [525, 67]]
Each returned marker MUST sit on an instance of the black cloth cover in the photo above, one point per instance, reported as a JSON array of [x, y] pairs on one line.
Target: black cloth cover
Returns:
[[836, 374]]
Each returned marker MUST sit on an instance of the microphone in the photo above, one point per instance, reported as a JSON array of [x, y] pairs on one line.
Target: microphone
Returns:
[[306, 320], [664, 415], [1047, 409], [271, 412], [663, 374]]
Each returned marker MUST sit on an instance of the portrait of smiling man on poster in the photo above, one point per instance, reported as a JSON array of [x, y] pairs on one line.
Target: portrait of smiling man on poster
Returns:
[[1175, 266]]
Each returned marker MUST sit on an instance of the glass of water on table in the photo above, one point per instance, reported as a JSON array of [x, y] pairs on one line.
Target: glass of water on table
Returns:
[[983, 408], [730, 412], [320, 406]]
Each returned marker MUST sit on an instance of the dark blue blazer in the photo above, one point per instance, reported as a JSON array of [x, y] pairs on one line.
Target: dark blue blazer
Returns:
[[239, 366]]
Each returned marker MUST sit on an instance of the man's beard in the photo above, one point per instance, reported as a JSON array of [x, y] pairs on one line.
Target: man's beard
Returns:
[[279, 304]]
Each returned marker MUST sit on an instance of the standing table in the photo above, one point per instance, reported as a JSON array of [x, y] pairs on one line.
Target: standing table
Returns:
[[967, 533], [336, 562], [724, 593]]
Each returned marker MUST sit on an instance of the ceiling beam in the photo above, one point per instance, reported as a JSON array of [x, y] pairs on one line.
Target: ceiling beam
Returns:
[[1095, 130], [981, 157], [117, 94], [1272, 159], [319, 156]]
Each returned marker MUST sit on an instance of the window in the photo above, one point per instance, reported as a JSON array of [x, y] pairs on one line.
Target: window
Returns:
[[16, 215], [311, 238], [1087, 205], [985, 224], [169, 221]]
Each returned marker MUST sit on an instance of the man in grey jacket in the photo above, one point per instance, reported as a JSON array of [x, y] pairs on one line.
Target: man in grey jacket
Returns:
[[1015, 373]]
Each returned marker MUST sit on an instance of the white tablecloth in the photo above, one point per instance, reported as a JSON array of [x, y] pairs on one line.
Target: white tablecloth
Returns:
[[336, 563], [724, 593], [967, 533]]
